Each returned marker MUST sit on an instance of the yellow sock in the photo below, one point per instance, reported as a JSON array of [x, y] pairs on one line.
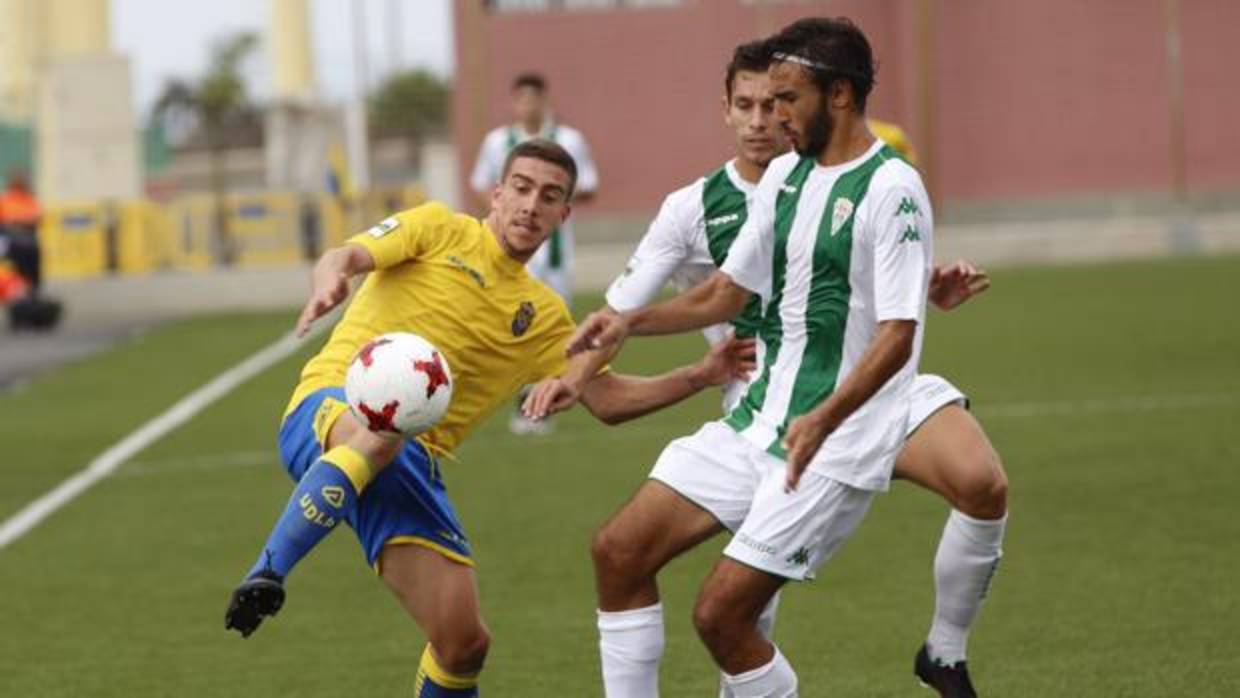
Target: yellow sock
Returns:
[[433, 681], [353, 464]]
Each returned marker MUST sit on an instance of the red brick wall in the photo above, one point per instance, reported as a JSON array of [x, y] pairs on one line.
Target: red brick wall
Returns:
[[1212, 92], [1027, 99]]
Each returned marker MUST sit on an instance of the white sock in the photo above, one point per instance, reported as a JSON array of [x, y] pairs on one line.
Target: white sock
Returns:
[[968, 555], [630, 645], [766, 626], [775, 679]]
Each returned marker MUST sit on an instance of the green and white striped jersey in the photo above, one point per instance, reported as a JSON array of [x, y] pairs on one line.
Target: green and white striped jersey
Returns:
[[835, 251], [686, 242]]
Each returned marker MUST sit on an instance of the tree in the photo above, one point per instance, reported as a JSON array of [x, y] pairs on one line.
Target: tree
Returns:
[[212, 111], [411, 104]]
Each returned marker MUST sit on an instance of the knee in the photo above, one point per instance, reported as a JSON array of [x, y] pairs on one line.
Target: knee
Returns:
[[463, 652], [714, 620], [617, 555], [983, 494]]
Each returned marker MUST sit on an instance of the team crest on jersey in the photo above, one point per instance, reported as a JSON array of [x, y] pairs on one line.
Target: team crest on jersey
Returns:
[[523, 318], [384, 227], [840, 214]]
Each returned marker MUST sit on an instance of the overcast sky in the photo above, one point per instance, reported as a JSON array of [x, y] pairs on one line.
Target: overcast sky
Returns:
[[172, 38]]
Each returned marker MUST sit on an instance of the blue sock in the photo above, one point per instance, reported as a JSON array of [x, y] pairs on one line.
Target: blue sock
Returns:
[[327, 492], [433, 681]]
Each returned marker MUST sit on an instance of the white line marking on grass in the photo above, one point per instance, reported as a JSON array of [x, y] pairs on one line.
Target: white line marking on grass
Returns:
[[20, 523]]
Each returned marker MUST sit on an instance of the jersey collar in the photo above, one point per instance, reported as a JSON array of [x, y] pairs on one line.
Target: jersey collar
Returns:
[[737, 180], [843, 167]]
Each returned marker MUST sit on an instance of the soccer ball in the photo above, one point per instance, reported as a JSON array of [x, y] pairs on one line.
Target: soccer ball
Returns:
[[398, 384]]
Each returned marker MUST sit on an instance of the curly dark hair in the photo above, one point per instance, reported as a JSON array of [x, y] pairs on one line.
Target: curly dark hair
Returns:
[[830, 49]]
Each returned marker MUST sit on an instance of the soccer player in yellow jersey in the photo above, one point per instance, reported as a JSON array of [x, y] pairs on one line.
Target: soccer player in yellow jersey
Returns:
[[460, 283]]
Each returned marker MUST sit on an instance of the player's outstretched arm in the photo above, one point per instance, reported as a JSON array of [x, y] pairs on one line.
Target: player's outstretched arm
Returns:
[[887, 353], [717, 299], [561, 392], [953, 284], [329, 282], [614, 398]]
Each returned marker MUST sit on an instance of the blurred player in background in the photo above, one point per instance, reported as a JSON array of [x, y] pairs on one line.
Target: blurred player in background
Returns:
[[533, 119], [946, 450], [553, 264], [894, 136], [461, 283]]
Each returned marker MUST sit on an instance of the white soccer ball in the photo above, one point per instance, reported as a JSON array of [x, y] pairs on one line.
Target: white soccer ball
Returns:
[[399, 384]]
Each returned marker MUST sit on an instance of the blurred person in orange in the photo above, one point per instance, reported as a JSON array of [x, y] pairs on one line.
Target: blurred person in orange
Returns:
[[20, 215]]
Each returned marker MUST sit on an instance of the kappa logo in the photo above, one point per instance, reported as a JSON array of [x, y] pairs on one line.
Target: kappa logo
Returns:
[[908, 207], [523, 318], [334, 494], [788, 188], [384, 227], [722, 220], [840, 214], [800, 557]]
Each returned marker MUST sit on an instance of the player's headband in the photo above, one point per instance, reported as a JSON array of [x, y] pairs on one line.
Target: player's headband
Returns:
[[815, 65]]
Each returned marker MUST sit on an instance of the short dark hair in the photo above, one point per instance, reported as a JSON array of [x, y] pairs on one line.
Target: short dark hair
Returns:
[[547, 151], [831, 49], [751, 57], [534, 81]]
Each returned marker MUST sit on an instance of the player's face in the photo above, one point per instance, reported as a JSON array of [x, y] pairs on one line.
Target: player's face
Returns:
[[530, 203], [801, 109], [528, 105], [750, 113]]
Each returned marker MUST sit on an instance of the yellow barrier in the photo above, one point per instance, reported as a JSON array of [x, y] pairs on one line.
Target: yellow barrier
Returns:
[[335, 222], [190, 227], [136, 237], [341, 218], [144, 238], [264, 229], [74, 241]]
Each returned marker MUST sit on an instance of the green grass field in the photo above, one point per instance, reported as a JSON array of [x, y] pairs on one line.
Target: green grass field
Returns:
[[1112, 392]]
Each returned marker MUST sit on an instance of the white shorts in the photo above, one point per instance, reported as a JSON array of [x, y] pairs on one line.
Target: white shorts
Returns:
[[787, 534], [929, 394]]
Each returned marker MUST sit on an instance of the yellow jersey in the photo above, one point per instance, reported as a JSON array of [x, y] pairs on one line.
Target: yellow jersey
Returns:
[[895, 137], [443, 276]]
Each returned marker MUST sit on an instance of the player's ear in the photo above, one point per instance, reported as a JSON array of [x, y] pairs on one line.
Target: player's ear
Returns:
[[726, 104], [840, 95]]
